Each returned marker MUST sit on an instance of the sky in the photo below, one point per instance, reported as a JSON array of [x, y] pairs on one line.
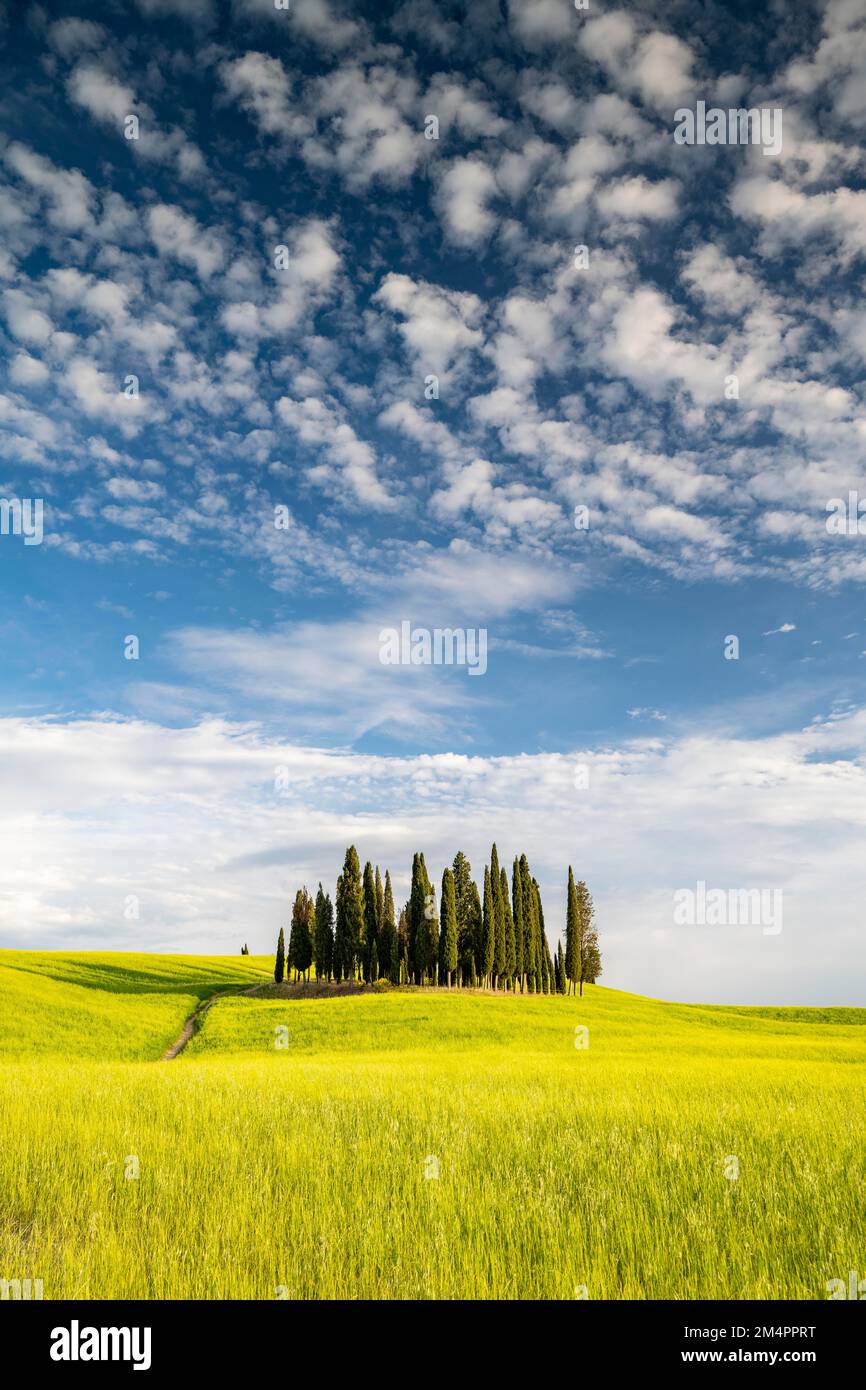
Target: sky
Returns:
[[320, 320]]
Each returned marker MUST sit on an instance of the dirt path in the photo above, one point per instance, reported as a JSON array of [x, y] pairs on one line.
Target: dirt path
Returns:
[[195, 1020]]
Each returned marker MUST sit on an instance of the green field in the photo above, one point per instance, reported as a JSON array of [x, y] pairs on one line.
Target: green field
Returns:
[[294, 1145]]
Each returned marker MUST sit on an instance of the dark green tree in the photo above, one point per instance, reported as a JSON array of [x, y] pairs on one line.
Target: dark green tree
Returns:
[[488, 930], [323, 936], [561, 982], [423, 946], [388, 949], [476, 934], [280, 964], [350, 914], [403, 946], [448, 928], [370, 918], [510, 944], [462, 872], [519, 925], [498, 919], [531, 932], [572, 934], [300, 956]]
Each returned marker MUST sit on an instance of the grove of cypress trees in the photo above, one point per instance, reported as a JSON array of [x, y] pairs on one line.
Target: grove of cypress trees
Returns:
[[448, 928]]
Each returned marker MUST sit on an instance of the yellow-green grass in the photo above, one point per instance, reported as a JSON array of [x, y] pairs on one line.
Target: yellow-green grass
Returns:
[[301, 1167], [108, 1005]]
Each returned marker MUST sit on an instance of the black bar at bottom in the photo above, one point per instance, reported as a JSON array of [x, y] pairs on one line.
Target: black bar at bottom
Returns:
[[144, 1338]]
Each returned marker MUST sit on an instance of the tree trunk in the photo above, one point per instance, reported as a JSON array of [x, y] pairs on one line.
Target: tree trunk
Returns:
[[581, 986]]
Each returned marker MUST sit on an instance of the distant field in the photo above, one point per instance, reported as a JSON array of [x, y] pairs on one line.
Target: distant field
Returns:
[[295, 1144]]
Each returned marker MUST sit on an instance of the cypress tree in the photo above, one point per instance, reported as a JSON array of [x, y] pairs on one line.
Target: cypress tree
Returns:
[[323, 936], [380, 908], [350, 913], [428, 936], [510, 945], [531, 938], [519, 926], [279, 966], [590, 957], [374, 963], [544, 961], [403, 945], [370, 915], [462, 901], [421, 957], [572, 934], [476, 934], [498, 919], [448, 928], [560, 969], [489, 930], [300, 955], [388, 952]]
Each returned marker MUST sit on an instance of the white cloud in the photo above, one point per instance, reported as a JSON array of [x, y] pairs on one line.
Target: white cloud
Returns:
[[465, 189], [174, 233], [134, 807]]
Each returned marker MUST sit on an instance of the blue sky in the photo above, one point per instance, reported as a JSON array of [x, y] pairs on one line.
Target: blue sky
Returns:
[[303, 387]]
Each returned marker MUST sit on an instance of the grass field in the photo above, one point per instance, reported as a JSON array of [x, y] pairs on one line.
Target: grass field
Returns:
[[293, 1147]]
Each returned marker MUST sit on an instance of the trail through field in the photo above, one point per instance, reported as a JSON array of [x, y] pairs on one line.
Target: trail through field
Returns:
[[196, 1019]]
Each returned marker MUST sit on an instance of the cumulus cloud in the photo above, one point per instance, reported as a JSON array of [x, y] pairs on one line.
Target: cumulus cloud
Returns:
[[133, 807]]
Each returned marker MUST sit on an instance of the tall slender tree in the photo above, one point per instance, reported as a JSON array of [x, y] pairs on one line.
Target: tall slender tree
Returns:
[[323, 936], [476, 935], [403, 946], [388, 953], [350, 913], [489, 930], [370, 919], [510, 946], [498, 919], [280, 963], [448, 928], [519, 925], [462, 872], [300, 955], [561, 982], [531, 935], [572, 933]]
